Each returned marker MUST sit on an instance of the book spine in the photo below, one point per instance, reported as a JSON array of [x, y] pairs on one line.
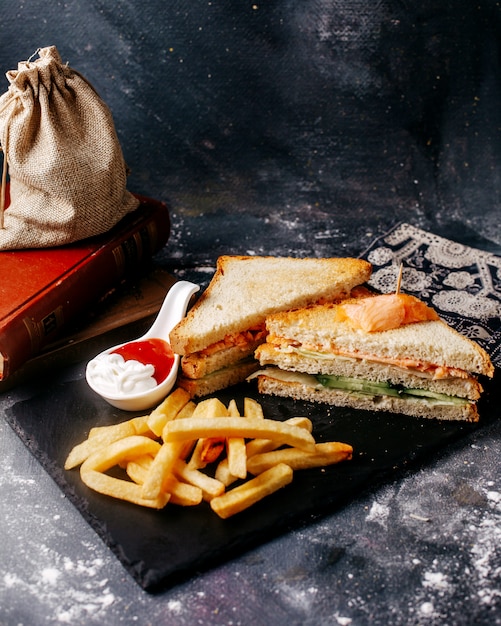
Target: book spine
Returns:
[[46, 316]]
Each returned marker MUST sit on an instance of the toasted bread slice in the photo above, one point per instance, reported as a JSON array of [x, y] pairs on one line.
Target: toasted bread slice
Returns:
[[432, 342], [245, 289]]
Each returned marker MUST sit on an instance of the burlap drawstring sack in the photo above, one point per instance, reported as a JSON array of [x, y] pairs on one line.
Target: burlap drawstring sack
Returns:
[[66, 167]]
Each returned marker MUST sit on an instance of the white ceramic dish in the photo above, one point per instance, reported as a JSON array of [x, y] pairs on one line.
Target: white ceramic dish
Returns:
[[172, 311]]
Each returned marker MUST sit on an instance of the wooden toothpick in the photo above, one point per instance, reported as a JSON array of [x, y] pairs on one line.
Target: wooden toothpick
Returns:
[[399, 278]]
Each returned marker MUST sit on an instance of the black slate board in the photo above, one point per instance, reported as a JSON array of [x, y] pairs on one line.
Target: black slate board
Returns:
[[161, 548]]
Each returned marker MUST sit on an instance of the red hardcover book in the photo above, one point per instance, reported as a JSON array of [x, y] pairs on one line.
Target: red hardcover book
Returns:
[[42, 290]]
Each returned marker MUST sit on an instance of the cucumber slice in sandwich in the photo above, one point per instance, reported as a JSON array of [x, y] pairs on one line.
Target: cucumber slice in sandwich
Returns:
[[384, 388]]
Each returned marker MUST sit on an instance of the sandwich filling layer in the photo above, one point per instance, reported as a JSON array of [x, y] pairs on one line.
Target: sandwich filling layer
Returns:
[[358, 386], [234, 348], [385, 373]]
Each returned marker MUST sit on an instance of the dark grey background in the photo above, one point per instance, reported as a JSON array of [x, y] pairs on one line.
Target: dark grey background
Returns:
[[284, 127], [345, 113]]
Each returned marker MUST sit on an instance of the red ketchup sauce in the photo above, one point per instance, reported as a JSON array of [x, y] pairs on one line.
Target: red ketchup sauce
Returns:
[[156, 352]]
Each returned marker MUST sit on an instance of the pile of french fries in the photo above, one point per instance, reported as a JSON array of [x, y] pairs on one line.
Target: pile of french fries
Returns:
[[185, 453]]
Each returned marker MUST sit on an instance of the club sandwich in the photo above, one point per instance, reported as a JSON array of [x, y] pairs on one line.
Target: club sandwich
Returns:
[[381, 353], [218, 337]]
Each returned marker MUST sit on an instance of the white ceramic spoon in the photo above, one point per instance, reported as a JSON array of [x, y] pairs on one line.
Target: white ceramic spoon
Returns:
[[172, 311]]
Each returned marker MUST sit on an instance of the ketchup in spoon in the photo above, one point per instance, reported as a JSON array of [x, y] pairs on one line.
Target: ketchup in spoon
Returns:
[[156, 352]]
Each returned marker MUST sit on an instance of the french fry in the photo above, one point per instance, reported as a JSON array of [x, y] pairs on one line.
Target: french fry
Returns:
[[124, 449], [163, 463], [325, 454], [137, 471], [139, 424], [236, 451], [258, 446], [181, 493], [187, 411], [237, 456], [93, 468], [167, 410], [253, 409], [121, 489], [144, 461], [210, 486], [301, 422], [161, 466], [209, 408], [195, 460], [223, 473], [100, 438], [195, 428], [208, 450], [250, 492]]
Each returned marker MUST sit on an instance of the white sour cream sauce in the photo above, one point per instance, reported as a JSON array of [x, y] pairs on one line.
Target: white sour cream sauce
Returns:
[[113, 375]]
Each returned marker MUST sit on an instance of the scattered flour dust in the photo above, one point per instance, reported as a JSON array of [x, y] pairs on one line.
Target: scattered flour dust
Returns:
[[378, 513], [482, 561], [72, 603], [343, 621], [175, 606], [427, 609], [298, 599], [416, 504], [435, 580], [67, 591], [380, 508], [49, 576]]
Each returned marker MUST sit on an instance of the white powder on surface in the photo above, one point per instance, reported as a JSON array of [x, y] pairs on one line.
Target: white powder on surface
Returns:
[[73, 600], [174, 606], [343, 621], [464, 515], [426, 609], [431, 541], [295, 596], [494, 497], [11, 580], [49, 576], [435, 580], [378, 513], [40, 576]]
